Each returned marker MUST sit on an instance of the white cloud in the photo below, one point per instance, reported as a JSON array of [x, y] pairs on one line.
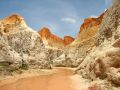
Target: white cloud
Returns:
[[69, 19]]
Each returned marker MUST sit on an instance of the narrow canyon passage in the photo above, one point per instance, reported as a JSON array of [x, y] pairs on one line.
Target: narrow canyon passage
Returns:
[[59, 80]]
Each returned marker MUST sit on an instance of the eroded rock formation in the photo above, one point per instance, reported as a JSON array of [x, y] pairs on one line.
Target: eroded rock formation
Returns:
[[11, 23], [104, 61], [88, 29], [68, 40], [75, 53], [21, 47], [52, 41]]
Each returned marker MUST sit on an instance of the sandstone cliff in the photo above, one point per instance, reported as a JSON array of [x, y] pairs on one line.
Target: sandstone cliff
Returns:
[[103, 62], [52, 41], [82, 45], [68, 40], [88, 29], [21, 47], [11, 23]]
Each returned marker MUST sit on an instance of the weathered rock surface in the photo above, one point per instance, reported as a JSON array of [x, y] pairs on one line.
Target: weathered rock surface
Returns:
[[21, 47], [9, 58], [75, 53], [104, 61], [88, 29], [12, 23], [52, 41], [68, 40]]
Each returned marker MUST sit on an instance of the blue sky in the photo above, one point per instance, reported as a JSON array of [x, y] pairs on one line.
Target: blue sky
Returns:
[[63, 17]]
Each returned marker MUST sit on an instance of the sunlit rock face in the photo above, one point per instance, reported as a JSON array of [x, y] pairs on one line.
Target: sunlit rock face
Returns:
[[21, 47], [68, 40], [88, 29], [14, 19], [104, 61], [11, 23], [52, 41], [82, 45]]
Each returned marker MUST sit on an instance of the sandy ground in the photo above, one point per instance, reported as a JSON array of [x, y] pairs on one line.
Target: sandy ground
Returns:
[[56, 79]]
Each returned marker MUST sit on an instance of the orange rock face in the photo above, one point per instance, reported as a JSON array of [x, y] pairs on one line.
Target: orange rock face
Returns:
[[88, 29], [52, 41], [45, 33], [68, 40], [11, 23], [13, 19], [91, 22]]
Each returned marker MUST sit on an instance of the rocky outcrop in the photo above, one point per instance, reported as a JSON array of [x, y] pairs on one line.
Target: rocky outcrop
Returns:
[[12, 23], [88, 29], [91, 22], [9, 58], [52, 41], [68, 40], [21, 47], [82, 45], [104, 61]]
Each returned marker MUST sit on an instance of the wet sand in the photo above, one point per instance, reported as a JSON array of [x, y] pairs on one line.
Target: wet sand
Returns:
[[59, 79]]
